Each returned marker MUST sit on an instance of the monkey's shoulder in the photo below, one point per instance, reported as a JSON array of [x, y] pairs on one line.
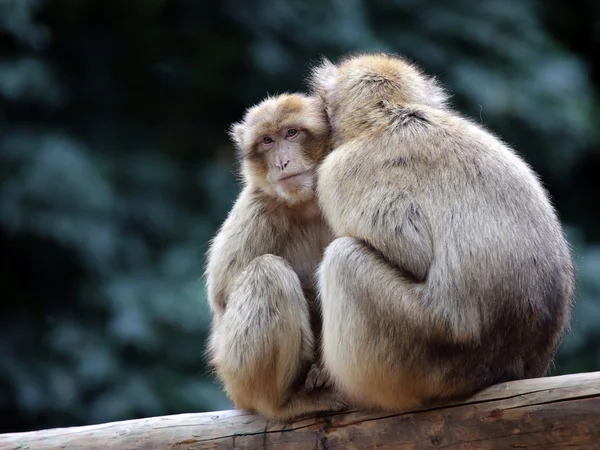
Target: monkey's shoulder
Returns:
[[405, 116]]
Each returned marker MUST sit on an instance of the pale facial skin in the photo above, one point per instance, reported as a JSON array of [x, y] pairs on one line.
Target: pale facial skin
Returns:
[[282, 141], [289, 172]]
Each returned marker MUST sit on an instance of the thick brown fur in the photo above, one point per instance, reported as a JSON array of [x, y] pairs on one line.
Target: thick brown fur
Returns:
[[261, 264], [450, 271]]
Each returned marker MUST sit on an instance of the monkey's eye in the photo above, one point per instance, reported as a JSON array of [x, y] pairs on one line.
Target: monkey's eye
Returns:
[[267, 140], [291, 132]]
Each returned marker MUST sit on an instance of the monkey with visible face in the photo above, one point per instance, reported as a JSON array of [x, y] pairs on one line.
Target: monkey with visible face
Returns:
[[449, 271], [261, 264]]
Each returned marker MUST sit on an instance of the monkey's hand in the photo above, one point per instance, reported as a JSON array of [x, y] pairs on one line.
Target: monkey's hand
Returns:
[[317, 378]]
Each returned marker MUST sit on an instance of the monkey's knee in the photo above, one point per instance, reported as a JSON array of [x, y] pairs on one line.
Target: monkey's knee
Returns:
[[340, 273], [269, 261], [342, 254], [268, 268], [268, 279], [274, 270], [269, 296]]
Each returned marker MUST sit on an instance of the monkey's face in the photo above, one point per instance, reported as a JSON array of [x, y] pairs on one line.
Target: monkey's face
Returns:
[[282, 141]]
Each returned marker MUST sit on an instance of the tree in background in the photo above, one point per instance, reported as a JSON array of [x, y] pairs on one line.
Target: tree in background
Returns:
[[116, 169]]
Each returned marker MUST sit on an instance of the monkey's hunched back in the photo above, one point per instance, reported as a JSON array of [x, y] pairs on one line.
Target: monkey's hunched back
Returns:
[[457, 274]]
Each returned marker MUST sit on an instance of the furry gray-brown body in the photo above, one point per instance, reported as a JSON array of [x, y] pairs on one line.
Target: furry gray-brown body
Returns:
[[450, 271]]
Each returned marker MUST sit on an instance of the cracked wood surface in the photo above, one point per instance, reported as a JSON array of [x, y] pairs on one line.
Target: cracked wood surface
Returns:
[[543, 413]]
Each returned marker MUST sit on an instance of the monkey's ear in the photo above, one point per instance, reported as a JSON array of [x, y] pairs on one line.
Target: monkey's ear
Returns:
[[236, 134], [437, 97], [323, 78]]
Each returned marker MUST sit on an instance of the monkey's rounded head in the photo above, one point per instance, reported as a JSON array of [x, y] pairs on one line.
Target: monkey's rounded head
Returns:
[[359, 82], [281, 141]]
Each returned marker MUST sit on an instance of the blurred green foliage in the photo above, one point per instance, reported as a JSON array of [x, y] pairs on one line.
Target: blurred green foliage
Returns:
[[116, 168]]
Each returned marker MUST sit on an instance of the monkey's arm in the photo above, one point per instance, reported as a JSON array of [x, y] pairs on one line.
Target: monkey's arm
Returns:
[[365, 199], [374, 202], [246, 234]]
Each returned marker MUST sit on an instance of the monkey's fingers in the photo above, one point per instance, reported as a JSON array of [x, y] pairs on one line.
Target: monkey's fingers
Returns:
[[316, 378]]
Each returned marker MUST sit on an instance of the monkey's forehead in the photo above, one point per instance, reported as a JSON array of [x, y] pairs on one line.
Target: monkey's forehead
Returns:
[[280, 108], [273, 114], [291, 110]]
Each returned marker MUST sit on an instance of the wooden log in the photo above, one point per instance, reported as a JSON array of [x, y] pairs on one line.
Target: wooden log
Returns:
[[542, 413]]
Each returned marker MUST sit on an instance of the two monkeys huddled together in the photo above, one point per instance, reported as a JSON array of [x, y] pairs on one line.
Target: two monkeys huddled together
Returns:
[[384, 253]]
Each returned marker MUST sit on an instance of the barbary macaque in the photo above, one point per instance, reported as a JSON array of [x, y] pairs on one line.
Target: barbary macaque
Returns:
[[261, 264], [449, 270]]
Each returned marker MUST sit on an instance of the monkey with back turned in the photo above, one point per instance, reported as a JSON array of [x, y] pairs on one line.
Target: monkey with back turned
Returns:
[[450, 271]]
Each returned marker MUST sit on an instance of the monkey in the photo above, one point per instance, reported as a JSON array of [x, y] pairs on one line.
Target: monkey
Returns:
[[449, 270], [261, 263]]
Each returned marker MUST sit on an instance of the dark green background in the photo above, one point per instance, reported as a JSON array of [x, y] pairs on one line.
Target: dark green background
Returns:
[[116, 168]]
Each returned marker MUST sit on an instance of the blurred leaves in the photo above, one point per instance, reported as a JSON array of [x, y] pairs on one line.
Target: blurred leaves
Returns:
[[116, 169]]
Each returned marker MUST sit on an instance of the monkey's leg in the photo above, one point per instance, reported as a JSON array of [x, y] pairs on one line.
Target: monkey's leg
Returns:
[[264, 341], [365, 336]]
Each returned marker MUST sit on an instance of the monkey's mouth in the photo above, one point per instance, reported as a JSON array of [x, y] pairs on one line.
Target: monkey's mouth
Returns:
[[293, 175], [297, 179]]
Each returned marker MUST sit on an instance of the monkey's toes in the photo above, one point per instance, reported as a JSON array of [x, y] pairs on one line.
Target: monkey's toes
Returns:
[[339, 404]]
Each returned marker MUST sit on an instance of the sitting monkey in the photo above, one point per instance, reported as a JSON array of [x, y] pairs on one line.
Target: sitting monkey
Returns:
[[262, 262], [450, 271]]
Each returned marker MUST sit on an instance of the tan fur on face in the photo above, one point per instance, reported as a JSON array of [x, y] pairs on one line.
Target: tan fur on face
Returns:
[[268, 117], [278, 112], [450, 270]]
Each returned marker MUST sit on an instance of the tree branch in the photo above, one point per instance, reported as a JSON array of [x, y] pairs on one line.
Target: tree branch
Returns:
[[541, 413]]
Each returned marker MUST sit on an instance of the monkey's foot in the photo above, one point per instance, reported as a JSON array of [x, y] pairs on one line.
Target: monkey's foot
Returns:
[[320, 401], [339, 404], [317, 377]]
